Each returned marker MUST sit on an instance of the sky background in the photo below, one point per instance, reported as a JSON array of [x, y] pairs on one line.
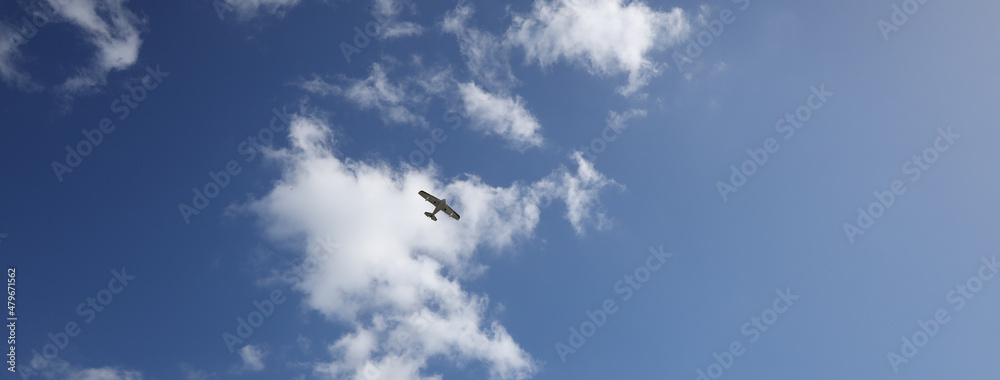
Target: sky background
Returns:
[[553, 214]]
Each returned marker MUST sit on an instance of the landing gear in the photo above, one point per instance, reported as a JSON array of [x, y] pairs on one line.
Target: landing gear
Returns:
[[429, 215]]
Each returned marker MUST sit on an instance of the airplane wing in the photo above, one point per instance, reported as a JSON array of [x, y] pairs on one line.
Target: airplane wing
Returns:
[[450, 212], [429, 198]]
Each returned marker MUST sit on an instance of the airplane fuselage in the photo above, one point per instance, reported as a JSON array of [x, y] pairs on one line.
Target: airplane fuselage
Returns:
[[440, 206]]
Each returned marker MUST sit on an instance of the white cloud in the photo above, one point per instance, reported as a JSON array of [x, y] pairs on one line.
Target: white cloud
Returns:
[[581, 192], [606, 36], [374, 92], [501, 115], [248, 9], [396, 281], [109, 27], [252, 359], [60, 369], [434, 81], [399, 29], [303, 343], [190, 373], [105, 373], [387, 11], [617, 120]]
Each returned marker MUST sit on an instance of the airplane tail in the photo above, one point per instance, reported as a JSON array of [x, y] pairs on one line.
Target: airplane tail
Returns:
[[429, 215]]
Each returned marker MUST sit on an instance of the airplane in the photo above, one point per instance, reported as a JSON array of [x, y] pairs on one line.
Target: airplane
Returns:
[[439, 205]]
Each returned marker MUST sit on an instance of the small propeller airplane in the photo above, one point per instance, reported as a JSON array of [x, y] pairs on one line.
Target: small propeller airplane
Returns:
[[439, 205]]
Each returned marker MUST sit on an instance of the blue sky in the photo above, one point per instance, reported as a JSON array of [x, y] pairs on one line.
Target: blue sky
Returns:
[[586, 143]]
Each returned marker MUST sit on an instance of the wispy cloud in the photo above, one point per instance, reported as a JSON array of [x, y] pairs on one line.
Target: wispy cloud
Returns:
[[388, 12], [62, 370], [107, 25], [392, 100], [190, 373], [112, 29], [399, 102], [485, 54], [249, 9], [11, 59]]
